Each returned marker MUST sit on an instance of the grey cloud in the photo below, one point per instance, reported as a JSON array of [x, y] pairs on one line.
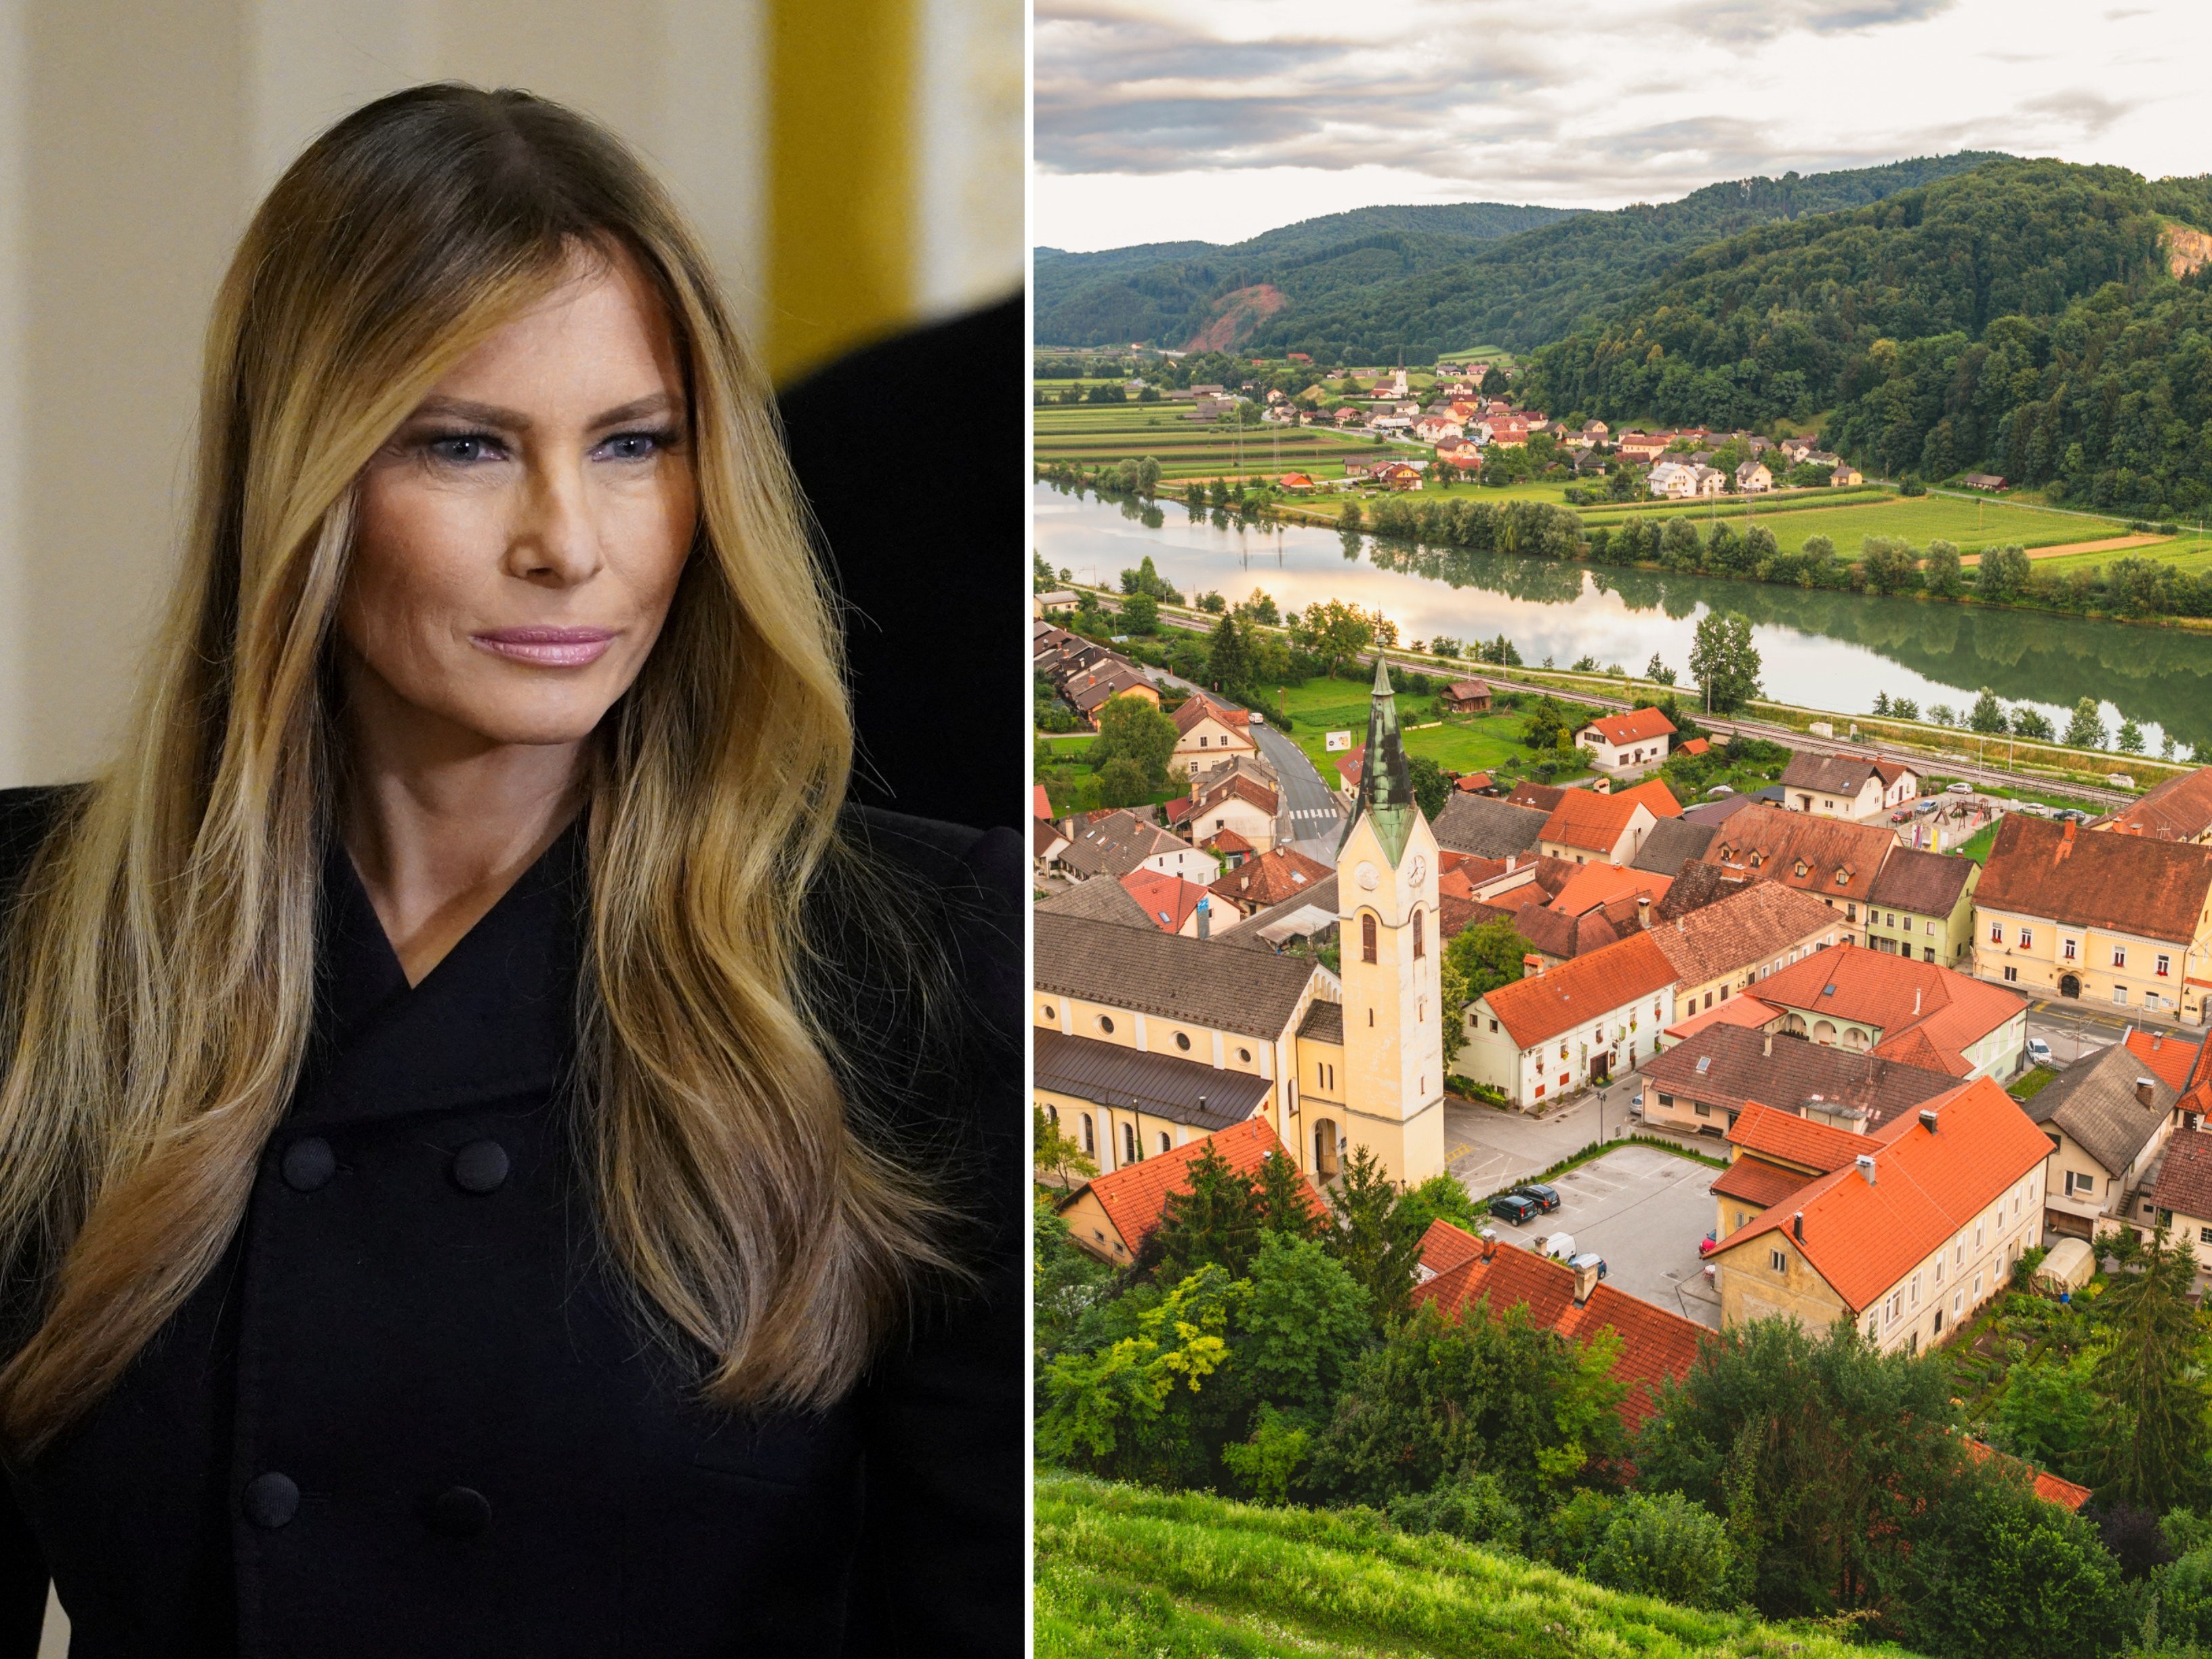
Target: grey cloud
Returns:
[[1745, 23], [2091, 112]]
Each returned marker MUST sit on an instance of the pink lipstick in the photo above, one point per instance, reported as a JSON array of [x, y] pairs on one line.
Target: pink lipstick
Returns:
[[548, 648]]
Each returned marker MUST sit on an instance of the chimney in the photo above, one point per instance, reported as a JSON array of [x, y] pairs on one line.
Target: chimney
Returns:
[[1205, 920], [1642, 910], [1927, 1120], [1489, 1237], [1532, 964], [1866, 1167], [2157, 1038], [1585, 1279], [2144, 1090], [1511, 859], [1766, 1047], [1797, 1227]]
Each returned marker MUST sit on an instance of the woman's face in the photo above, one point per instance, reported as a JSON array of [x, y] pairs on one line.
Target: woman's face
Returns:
[[520, 536]]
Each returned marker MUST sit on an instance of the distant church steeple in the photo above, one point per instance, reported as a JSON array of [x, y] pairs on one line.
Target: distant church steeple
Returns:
[[1385, 787]]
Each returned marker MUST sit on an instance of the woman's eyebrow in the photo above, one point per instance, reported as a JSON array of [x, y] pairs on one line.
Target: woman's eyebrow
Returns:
[[513, 419]]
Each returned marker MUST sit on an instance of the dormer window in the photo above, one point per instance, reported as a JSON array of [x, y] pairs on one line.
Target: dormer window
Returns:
[[1801, 866], [1843, 878]]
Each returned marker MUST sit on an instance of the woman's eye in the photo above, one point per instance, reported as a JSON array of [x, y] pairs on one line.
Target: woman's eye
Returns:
[[461, 448], [635, 445]]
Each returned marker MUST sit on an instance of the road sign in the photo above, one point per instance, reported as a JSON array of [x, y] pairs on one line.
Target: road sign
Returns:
[[1338, 740]]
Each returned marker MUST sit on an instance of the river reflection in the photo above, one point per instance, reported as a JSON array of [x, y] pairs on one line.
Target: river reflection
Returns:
[[1820, 649]]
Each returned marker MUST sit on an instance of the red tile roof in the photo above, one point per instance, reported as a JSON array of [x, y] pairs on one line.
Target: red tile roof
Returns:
[[1635, 727], [1168, 900], [1282, 873], [1695, 746], [1740, 1011], [2184, 1175], [2128, 883], [2048, 1486], [1473, 782], [1863, 1238], [2180, 809], [1586, 819], [1135, 1195], [1040, 802], [1818, 1147], [1654, 1343], [1656, 796], [1226, 840], [1840, 857], [1593, 884], [1536, 1008], [2170, 1059], [1757, 1181], [1196, 707], [1895, 994]]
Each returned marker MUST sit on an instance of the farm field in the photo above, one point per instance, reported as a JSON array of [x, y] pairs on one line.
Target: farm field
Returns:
[[1185, 448], [1973, 525], [2191, 553], [1465, 743], [1125, 1570]]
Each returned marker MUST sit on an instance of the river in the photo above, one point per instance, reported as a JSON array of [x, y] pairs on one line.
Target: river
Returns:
[[1818, 649]]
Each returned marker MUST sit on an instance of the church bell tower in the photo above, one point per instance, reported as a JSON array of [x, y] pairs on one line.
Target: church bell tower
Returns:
[[1387, 916]]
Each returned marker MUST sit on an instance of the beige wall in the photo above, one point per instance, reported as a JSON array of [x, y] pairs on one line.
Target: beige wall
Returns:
[[135, 141]]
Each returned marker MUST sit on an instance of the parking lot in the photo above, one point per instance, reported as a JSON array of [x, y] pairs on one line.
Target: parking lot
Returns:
[[1645, 1211]]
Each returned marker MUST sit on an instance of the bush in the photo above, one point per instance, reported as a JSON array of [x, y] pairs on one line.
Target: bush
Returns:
[[1666, 1547], [1473, 1507], [1122, 783]]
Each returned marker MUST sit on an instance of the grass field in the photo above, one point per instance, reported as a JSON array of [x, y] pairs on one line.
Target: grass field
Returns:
[[1186, 448], [1976, 846], [1060, 763], [1971, 526], [1124, 1570], [1477, 743]]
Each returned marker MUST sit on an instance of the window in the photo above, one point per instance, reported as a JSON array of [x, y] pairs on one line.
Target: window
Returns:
[[1245, 1055], [1090, 1139], [2165, 965], [1052, 1116], [2012, 976], [1939, 1270], [2205, 1234], [1699, 1107], [1931, 930], [1420, 939], [1050, 1012], [2119, 955], [1777, 1260], [1981, 1231], [1493, 1025], [1958, 1303], [2165, 1217], [1129, 1153], [1896, 1307], [1996, 932], [1916, 1290], [2028, 938], [1106, 1024], [1182, 1041], [2086, 1185], [1889, 919], [1163, 1140], [2120, 994], [1367, 939], [1978, 1287], [1872, 1320], [2066, 949]]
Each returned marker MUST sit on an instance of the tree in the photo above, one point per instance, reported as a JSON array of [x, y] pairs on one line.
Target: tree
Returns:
[[2087, 729], [1941, 572], [1065, 1283], [1442, 1197], [2002, 575], [1667, 1547], [1335, 632], [1658, 671], [1477, 962], [1212, 1217], [1904, 708], [1889, 563], [2152, 1376], [2132, 737], [1988, 714], [1228, 664], [1132, 728], [1375, 1242], [1283, 1199], [1121, 782], [1300, 1327], [1107, 1409], [2033, 723], [1141, 614], [1260, 609], [1724, 662], [1431, 789], [1055, 1153]]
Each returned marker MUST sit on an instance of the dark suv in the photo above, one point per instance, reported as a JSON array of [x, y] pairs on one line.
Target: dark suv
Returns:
[[1515, 1208], [1548, 1198]]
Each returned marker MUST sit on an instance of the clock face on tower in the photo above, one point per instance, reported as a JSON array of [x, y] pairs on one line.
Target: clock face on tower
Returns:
[[1419, 872]]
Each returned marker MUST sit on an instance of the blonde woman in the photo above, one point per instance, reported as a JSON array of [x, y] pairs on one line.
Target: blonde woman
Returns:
[[493, 1158]]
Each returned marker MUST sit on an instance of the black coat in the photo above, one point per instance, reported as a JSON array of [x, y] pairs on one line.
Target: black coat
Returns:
[[410, 1413]]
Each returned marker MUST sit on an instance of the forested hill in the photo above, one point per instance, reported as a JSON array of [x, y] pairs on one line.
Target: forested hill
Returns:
[[2044, 321], [1525, 290], [1169, 293]]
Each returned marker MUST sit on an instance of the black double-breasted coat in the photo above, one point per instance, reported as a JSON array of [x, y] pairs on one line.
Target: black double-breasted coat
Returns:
[[413, 1411]]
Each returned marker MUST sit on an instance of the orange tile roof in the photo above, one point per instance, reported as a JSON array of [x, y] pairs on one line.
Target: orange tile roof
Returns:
[[2049, 1487], [1226, 840], [1654, 1343], [1587, 820], [1863, 1238], [1635, 727], [1656, 797], [2184, 1175], [1540, 1006], [1695, 746], [1196, 707], [1840, 857], [1819, 1147], [2128, 883], [1594, 884], [1282, 873], [1737, 1010], [2180, 809], [1895, 994], [1168, 900], [1135, 1195], [2170, 1058], [1444, 1246], [1040, 803], [1757, 1181]]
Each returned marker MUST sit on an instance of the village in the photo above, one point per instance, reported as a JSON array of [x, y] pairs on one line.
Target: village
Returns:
[[1797, 1062]]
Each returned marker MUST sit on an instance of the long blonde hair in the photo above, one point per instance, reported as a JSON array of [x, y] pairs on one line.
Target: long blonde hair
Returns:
[[160, 973]]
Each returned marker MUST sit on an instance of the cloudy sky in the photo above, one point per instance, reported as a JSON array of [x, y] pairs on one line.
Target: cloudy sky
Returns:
[[1161, 120]]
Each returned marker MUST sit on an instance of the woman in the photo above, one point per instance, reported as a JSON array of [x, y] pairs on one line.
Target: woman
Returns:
[[493, 1159]]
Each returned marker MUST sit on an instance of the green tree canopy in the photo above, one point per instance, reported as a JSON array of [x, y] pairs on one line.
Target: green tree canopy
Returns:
[[1134, 729], [1723, 661]]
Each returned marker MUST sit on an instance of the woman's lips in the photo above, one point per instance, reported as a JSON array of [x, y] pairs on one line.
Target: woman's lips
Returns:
[[548, 647]]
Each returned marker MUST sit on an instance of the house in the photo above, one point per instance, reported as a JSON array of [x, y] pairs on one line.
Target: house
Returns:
[[1398, 475], [1271, 878], [1296, 484], [1832, 858], [1230, 1013], [1489, 828], [1733, 945], [1171, 904], [1349, 416], [1429, 428], [1845, 473], [1753, 476], [1231, 848], [1695, 746], [1671, 842], [1672, 478], [1795, 450], [1459, 1270], [1710, 1079], [1058, 601], [1115, 843], [1707, 480], [1475, 783], [1046, 842], [1554, 1029], [2108, 1118], [1924, 902], [2117, 919], [1909, 1238], [1643, 446], [2181, 1197], [1206, 729], [1990, 481], [1865, 1001], [2180, 809], [1636, 738], [1113, 1213], [1465, 697], [1856, 786], [1088, 694], [1586, 826], [1238, 802]]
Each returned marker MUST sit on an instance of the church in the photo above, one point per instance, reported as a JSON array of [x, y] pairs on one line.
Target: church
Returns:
[[1144, 1041]]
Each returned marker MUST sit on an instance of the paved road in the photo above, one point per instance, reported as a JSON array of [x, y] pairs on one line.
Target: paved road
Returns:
[[1490, 1148], [1307, 802]]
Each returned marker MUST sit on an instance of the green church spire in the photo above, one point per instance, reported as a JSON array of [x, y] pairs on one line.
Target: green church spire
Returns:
[[1386, 787]]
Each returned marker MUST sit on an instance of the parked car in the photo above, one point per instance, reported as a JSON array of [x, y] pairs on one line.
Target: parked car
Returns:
[[1560, 1247], [1511, 1207], [1548, 1198], [1903, 815], [2039, 1053], [1961, 787], [1926, 804], [1589, 1259], [1257, 718]]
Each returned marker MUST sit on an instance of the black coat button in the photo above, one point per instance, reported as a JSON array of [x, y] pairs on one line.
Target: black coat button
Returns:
[[457, 1512], [271, 1499], [480, 1166], [309, 1163]]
